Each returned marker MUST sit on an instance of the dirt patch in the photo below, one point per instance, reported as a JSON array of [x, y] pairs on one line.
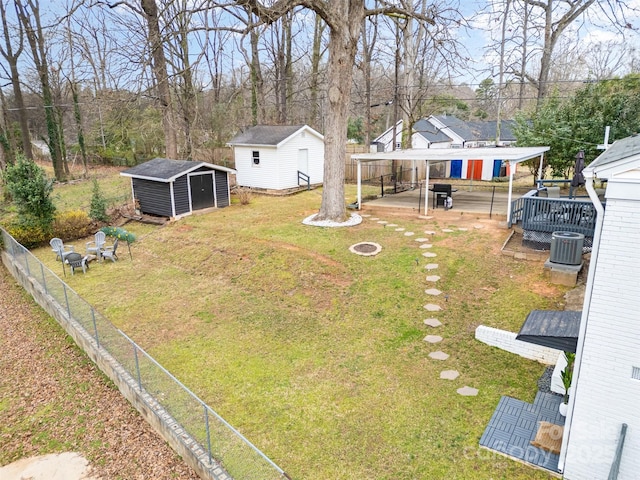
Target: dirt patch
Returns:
[[53, 399]]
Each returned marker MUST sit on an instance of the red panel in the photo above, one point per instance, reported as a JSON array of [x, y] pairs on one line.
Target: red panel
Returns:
[[474, 169]]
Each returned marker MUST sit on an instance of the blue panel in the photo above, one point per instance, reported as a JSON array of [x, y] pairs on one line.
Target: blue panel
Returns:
[[456, 169], [497, 164]]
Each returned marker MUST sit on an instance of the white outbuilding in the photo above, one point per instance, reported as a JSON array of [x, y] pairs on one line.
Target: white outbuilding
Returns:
[[279, 157]]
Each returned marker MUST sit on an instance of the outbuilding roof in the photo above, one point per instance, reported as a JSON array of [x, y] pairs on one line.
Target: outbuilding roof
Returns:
[[268, 135], [167, 170], [552, 328]]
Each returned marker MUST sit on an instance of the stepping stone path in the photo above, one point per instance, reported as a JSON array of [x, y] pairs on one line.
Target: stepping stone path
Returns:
[[463, 229], [426, 245], [400, 229], [422, 239], [392, 224], [447, 230], [365, 215], [433, 278], [429, 232], [433, 338], [432, 322], [478, 227], [408, 234], [429, 254], [430, 307], [382, 222], [449, 374], [467, 391], [439, 355], [431, 266], [374, 219], [433, 291]]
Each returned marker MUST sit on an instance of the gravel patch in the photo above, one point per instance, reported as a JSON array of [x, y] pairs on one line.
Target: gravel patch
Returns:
[[353, 220]]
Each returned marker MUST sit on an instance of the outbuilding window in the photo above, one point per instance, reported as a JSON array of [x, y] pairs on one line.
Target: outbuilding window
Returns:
[[256, 157]]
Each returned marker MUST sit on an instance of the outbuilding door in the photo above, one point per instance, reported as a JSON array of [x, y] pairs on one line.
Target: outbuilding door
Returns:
[[456, 169], [474, 169], [201, 191]]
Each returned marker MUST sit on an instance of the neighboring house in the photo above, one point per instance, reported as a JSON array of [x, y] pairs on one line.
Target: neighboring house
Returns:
[[446, 131], [40, 147], [175, 188], [606, 379], [270, 157]]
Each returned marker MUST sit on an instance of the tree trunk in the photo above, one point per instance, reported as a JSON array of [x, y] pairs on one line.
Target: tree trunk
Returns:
[[314, 121], [343, 43], [12, 60], [159, 67]]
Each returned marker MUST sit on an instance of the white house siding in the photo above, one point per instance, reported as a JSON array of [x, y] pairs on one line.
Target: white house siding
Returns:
[[606, 396], [288, 159], [264, 175]]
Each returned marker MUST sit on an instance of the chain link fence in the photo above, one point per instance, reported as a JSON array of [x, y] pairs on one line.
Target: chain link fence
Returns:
[[223, 452]]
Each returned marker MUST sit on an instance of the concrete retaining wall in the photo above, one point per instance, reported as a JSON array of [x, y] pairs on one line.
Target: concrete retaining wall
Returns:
[[507, 341], [161, 421]]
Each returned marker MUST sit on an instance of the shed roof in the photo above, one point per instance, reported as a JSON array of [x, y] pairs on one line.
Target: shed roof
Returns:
[[430, 132], [167, 170], [552, 328], [269, 135]]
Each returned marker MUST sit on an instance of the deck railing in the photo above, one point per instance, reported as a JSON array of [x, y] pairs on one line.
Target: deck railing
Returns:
[[539, 214]]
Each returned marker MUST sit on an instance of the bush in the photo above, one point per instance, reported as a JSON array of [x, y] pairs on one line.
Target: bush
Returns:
[[31, 192], [71, 225], [98, 210], [29, 235], [244, 195]]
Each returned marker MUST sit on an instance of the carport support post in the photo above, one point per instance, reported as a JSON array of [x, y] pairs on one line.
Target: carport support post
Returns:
[[511, 166], [426, 189], [359, 182]]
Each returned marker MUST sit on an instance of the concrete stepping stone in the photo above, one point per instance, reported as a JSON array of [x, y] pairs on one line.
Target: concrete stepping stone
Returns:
[[439, 355], [432, 291], [432, 307], [447, 230], [400, 229], [422, 239], [467, 391], [478, 227], [432, 278], [429, 254], [431, 266], [365, 215], [433, 338], [432, 322], [408, 234], [373, 219], [382, 222], [426, 245], [449, 374], [429, 232], [462, 229], [392, 225]]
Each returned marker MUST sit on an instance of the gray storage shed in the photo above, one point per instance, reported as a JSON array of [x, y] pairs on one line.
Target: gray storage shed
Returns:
[[175, 188]]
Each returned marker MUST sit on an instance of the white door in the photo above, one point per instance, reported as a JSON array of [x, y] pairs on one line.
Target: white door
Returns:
[[303, 161]]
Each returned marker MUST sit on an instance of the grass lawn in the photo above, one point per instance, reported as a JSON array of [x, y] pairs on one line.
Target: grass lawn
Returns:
[[316, 354]]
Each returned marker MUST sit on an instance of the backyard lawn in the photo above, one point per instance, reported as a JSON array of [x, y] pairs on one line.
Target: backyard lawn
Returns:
[[316, 354]]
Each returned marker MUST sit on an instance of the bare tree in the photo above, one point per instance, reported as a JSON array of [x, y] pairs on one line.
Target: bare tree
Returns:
[[12, 56], [28, 12]]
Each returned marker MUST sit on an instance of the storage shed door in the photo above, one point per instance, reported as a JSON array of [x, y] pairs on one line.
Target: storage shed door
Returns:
[[201, 191]]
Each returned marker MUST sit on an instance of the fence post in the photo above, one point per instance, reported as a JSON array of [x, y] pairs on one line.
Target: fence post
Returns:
[[66, 299], [95, 326], [26, 260], [135, 356], [206, 424], [44, 279]]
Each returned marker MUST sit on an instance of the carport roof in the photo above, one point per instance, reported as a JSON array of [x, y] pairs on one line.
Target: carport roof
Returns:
[[167, 170], [510, 154]]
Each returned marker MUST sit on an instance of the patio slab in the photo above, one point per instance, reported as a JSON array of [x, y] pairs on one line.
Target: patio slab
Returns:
[[515, 423]]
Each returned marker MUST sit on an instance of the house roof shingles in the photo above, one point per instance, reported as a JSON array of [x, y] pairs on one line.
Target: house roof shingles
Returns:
[[265, 135], [619, 150], [430, 132]]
